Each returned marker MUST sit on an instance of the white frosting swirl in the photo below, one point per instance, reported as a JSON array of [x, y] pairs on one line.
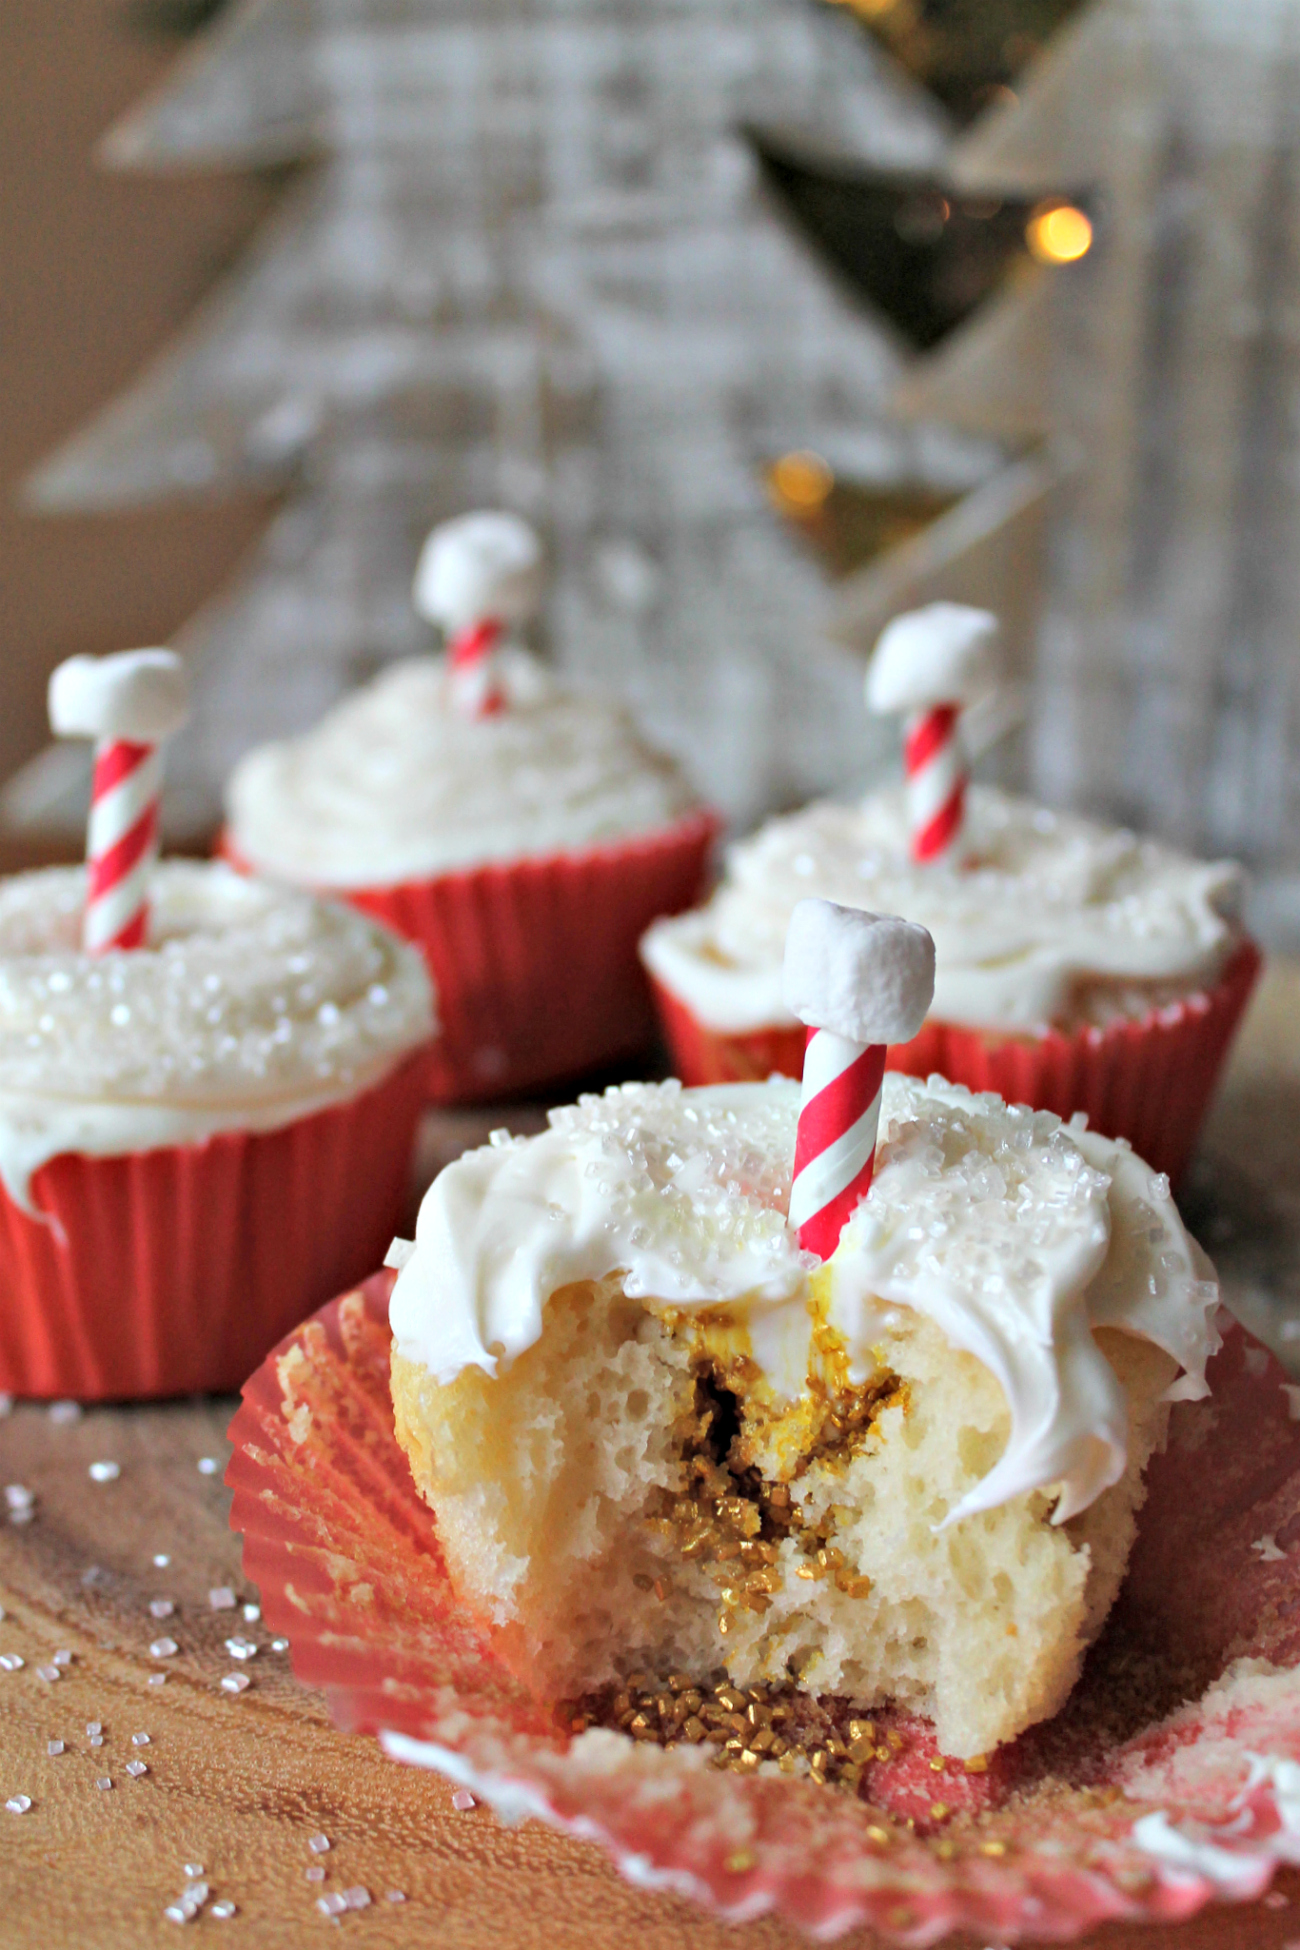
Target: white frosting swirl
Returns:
[[397, 784], [251, 1007], [1013, 1233], [1053, 917]]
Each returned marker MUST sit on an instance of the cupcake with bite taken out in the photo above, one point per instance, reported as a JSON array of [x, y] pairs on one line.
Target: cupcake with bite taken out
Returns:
[[521, 833], [208, 1087], [1080, 968], [841, 1396]]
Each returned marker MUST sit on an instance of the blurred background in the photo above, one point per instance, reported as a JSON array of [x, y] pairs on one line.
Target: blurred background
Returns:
[[774, 315]]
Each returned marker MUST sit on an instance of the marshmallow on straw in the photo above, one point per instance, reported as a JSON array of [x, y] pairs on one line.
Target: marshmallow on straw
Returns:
[[859, 981], [928, 664], [477, 576], [128, 703]]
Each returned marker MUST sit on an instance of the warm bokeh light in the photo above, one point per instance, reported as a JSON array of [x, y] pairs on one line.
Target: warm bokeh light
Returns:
[[800, 483], [1058, 233], [869, 9]]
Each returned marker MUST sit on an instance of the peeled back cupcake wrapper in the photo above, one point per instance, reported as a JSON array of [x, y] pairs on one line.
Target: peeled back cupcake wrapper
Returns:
[[1148, 1080], [1130, 1803], [171, 1271], [534, 961]]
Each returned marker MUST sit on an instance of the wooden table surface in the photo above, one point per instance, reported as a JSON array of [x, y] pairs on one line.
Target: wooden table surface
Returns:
[[240, 1783]]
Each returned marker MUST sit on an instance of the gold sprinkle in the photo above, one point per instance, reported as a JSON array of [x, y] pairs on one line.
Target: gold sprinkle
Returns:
[[724, 1623], [693, 1728], [862, 1729], [939, 1810], [945, 1850], [993, 1848], [808, 1571], [740, 1862], [881, 1835], [937, 1763], [977, 1764]]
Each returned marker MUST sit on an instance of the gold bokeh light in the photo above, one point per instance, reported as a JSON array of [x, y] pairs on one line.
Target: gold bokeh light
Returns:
[[1058, 233], [800, 483]]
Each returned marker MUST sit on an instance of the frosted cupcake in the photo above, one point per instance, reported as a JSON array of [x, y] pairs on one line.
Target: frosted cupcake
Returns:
[[524, 835], [1080, 968], [663, 1443], [208, 1091]]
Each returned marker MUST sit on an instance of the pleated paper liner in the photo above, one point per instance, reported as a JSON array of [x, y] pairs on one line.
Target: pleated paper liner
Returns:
[[1130, 1804], [1148, 1080], [172, 1271], [535, 960]]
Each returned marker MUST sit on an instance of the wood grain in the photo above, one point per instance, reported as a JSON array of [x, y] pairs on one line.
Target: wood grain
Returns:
[[240, 1783]]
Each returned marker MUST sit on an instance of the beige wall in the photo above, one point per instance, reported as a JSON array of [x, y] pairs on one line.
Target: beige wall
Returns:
[[96, 273]]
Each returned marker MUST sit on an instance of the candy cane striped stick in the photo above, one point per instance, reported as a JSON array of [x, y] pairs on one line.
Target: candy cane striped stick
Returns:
[[859, 981], [129, 704], [478, 575], [928, 664]]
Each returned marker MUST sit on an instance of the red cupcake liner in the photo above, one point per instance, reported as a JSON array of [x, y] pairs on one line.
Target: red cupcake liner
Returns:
[[1129, 1804], [535, 960], [171, 1272], [1148, 1080]]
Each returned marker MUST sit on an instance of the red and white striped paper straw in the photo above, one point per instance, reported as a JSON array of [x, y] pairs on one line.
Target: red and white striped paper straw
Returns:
[[860, 982], [477, 576], [929, 664], [934, 763], [128, 703]]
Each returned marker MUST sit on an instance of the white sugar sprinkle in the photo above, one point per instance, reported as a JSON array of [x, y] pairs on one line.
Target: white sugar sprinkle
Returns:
[[104, 1472], [157, 1679], [279, 1645], [223, 1910], [195, 1892], [221, 1598], [94, 1726], [180, 1912], [192, 1869], [318, 1844], [241, 1648], [208, 1465], [331, 1905], [139, 1740], [161, 1560], [50, 1673], [18, 1496], [161, 1607], [163, 1648], [104, 1781], [18, 1804], [252, 1613], [395, 1896], [462, 1801], [95, 1740], [135, 1768], [61, 1413], [357, 1898], [53, 1748], [236, 1682], [25, 1515], [316, 1873], [62, 1657], [11, 1662]]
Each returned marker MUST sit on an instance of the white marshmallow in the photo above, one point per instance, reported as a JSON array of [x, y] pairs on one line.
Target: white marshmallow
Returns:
[[945, 653], [479, 566], [140, 695], [867, 977]]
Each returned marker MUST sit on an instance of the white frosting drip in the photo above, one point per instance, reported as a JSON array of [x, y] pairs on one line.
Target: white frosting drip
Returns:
[[396, 783], [1014, 1233], [251, 1007], [1047, 902]]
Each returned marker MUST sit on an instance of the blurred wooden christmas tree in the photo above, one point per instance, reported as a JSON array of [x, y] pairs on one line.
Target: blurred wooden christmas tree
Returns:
[[531, 265], [1148, 367]]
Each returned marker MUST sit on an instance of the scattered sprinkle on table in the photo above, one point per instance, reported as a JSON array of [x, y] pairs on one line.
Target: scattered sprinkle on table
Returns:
[[62, 1657], [161, 1560], [316, 1873], [135, 1768], [104, 1472], [395, 1896], [279, 1645], [139, 1740], [162, 1648], [236, 1682], [104, 1781], [161, 1607], [61, 1413], [53, 1748], [252, 1613], [221, 1598], [208, 1465], [157, 1679], [11, 1662], [18, 1804], [192, 1869], [48, 1673], [18, 1496], [223, 1910], [240, 1648], [318, 1844]]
